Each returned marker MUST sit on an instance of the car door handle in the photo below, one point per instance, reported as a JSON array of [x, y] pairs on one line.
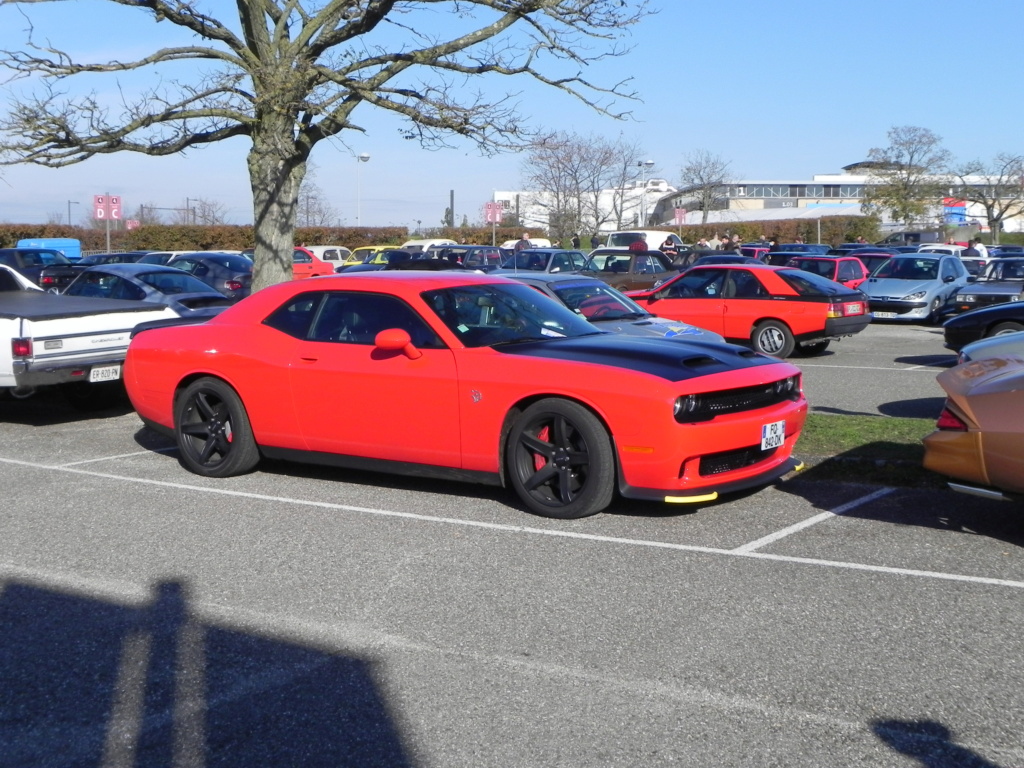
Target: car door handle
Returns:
[[309, 359]]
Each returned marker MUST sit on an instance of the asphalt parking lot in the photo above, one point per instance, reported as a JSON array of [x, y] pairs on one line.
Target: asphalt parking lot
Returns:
[[305, 616]]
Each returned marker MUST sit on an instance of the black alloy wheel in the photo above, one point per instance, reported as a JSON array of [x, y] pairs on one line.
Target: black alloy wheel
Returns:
[[560, 460], [213, 431]]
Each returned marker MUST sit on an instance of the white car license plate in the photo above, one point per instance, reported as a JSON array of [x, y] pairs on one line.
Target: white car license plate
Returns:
[[884, 315], [773, 435], [105, 373]]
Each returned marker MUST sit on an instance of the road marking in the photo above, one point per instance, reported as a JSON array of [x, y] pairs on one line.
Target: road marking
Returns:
[[119, 456], [914, 368], [840, 510], [522, 529]]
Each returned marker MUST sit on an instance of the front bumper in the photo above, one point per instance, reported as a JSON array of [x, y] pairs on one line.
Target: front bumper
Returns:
[[900, 310]]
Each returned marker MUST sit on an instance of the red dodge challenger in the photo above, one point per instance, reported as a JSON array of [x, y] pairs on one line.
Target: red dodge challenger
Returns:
[[469, 377]]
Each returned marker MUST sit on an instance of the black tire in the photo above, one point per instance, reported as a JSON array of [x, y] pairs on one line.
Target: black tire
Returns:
[[817, 348], [1004, 328], [933, 311], [212, 428], [773, 338], [560, 460], [89, 396]]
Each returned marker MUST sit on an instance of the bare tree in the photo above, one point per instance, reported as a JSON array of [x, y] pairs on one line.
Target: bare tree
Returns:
[[287, 74], [314, 209], [997, 186], [199, 211], [704, 175], [147, 213], [573, 176], [906, 175]]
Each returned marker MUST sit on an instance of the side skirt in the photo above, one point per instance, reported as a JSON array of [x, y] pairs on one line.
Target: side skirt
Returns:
[[382, 465]]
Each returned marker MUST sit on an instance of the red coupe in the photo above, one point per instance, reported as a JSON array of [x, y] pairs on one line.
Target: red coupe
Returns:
[[470, 377], [776, 310]]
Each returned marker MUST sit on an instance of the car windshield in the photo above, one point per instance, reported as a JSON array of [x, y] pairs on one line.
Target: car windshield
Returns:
[[1006, 269], [908, 268], [597, 301], [536, 261], [823, 267], [173, 282], [487, 315]]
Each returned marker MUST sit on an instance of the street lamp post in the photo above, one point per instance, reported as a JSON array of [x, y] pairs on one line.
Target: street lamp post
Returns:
[[644, 165], [363, 158], [70, 203]]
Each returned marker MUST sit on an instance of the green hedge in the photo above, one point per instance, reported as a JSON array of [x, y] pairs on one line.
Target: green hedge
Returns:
[[164, 237]]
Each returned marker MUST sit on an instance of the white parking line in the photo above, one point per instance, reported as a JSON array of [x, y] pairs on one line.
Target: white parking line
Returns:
[[502, 527], [119, 456], [840, 510], [870, 367]]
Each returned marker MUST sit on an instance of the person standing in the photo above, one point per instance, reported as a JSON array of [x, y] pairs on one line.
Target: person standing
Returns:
[[595, 241], [576, 240], [980, 248], [523, 242]]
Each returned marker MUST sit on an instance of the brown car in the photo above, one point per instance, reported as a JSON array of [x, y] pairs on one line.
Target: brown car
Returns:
[[979, 437], [629, 270]]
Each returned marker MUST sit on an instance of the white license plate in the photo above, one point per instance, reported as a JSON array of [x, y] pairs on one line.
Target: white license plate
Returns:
[[105, 373], [884, 315], [854, 309], [773, 435]]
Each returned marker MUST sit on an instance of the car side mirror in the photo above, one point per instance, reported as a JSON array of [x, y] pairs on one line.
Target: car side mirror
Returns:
[[972, 278], [397, 340], [949, 278]]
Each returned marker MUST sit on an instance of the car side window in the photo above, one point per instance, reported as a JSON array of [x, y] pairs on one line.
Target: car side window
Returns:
[[119, 288], [743, 285], [848, 271], [301, 257], [357, 318], [700, 284], [295, 316]]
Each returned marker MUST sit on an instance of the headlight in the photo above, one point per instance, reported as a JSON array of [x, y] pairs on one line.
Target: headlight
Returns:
[[788, 387], [915, 296], [965, 298], [685, 406]]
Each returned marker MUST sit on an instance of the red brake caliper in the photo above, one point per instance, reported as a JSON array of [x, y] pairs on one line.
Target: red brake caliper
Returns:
[[539, 462]]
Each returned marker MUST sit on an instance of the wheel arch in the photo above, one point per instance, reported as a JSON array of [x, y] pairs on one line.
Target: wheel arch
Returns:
[[523, 403]]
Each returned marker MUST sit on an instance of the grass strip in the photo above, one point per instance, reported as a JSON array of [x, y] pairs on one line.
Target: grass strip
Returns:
[[886, 450]]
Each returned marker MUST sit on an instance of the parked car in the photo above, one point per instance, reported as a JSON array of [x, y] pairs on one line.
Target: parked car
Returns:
[[755, 251], [782, 258], [653, 237], [979, 436], [13, 280], [30, 262], [610, 310], [872, 259], [804, 247], [422, 246], [996, 346], [848, 270], [562, 413], [229, 273], [722, 258], [544, 260], [775, 310], [57, 277], [995, 251], [915, 286], [379, 260], [365, 255], [160, 257], [1003, 281], [305, 264], [186, 294], [335, 255], [951, 249], [483, 257], [628, 270], [983, 323]]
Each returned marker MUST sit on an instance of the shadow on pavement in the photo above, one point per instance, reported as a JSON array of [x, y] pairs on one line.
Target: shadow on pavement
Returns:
[[928, 742], [920, 408], [87, 682]]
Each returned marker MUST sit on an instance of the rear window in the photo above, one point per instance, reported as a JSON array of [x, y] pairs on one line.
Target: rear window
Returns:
[[234, 263], [809, 284]]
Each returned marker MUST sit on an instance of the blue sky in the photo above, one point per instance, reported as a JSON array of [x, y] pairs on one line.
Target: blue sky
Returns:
[[782, 90]]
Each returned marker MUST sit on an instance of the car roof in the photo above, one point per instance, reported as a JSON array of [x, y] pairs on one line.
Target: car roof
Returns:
[[131, 268]]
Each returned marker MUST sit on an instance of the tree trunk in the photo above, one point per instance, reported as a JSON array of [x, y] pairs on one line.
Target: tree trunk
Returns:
[[277, 166]]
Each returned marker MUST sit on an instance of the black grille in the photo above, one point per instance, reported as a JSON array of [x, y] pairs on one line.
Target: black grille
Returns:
[[717, 463], [713, 404]]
